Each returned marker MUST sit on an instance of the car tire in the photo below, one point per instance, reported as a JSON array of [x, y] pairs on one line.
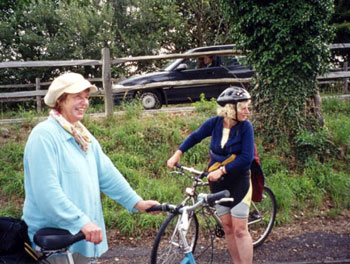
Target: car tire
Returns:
[[150, 100]]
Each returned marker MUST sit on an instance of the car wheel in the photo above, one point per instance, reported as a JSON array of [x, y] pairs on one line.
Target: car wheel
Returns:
[[150, 100]]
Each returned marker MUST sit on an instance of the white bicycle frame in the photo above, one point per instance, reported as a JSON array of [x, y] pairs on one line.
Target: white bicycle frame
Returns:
[[184, 223]]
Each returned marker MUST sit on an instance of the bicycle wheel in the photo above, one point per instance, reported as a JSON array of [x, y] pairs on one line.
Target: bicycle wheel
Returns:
[[168, 247], [262, 217]]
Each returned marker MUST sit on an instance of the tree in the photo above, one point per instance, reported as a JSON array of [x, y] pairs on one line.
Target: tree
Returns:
[[287, 44], [71, 29], [341, 21]]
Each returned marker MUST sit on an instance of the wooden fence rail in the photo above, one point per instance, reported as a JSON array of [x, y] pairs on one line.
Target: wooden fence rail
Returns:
[[106, 79]]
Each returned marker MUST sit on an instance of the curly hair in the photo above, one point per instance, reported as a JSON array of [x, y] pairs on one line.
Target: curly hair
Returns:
[[229, 111]]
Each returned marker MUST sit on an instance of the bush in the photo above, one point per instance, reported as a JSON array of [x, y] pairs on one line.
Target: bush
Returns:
[[139, 146], [310, 145]]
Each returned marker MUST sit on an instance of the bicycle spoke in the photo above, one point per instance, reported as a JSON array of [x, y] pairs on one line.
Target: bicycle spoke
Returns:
[[168, 247], [261, 217]]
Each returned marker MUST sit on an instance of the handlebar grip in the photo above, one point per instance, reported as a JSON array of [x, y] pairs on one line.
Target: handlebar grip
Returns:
[[178, 165], [217, 196], [80, 236], [154, 208], [204, 174]]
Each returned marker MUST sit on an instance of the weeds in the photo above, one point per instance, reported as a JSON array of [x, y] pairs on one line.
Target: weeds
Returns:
[[139, 146]]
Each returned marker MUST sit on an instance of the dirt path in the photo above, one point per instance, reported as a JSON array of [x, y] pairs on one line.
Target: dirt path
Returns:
[[322, 240]]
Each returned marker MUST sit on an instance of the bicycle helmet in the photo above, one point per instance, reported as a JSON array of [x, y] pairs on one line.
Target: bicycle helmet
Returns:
[[233, 95]]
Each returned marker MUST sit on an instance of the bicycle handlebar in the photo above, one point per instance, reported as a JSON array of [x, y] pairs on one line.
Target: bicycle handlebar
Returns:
[[209, 199], [201, 174], [212, 198], [164, 207]]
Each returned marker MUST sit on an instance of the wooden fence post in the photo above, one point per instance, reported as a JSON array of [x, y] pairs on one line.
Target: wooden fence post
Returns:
[[106, 81], [345, 86], [317, 107], [38, 98]]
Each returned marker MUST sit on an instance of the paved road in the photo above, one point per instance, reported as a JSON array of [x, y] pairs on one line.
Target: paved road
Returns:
[[310, 247]]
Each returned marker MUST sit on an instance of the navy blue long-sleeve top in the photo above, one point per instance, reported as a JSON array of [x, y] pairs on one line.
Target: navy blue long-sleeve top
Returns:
[[240, 142]]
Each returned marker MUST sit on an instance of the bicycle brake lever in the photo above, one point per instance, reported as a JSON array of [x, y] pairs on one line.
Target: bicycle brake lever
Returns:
[[177, 172], [223, 200]]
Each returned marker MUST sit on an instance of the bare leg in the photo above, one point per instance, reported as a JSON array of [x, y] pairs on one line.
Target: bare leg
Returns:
[[238, 239], [243, 241], [229, 237]]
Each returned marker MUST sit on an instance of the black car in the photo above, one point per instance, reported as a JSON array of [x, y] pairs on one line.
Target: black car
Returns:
[[185, 69]]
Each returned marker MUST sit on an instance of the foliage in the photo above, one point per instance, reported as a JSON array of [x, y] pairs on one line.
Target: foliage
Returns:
[[205, 106], [139, 146], [341, 21], [286, 42], [33, 30], [313, 145]]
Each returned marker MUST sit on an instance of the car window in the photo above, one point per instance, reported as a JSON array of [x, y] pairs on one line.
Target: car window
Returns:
[[190, 62], [229, 61]]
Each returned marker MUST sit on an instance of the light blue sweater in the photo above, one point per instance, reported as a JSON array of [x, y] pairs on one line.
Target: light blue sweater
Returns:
[[63, 184]]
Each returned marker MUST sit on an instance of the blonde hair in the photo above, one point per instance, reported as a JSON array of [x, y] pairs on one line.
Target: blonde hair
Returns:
[[229, 110]]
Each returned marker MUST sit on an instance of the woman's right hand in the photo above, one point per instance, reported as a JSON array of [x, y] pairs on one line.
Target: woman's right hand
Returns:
[[174, 159], [93, 233]]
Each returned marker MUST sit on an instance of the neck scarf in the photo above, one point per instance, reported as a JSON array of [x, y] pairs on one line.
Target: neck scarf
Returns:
[[78, 130]]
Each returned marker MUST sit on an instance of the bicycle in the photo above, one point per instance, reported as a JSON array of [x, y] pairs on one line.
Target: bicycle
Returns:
[[187, 216], [170, 242], [52, 241]]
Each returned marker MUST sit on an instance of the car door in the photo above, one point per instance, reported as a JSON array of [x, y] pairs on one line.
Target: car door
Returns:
[[192, 92]]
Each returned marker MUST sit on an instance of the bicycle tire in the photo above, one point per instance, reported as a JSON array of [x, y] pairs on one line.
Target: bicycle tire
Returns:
[[167, 247], [262, 216]]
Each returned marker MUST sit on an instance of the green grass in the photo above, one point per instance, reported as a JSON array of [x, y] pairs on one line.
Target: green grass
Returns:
[[139, 146]]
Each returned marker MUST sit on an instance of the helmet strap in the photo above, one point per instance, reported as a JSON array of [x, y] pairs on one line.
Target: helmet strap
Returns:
[[236, 109]]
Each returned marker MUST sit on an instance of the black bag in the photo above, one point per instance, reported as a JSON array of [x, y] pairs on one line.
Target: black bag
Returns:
[[14, 241]]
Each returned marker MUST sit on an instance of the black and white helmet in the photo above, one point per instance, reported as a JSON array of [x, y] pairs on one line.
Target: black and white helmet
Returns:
[[233, 95]]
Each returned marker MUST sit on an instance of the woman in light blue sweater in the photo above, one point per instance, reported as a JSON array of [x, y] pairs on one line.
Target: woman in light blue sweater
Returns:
[[66, 169]]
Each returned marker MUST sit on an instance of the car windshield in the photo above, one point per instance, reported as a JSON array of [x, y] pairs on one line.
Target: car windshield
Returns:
[[170, 64]]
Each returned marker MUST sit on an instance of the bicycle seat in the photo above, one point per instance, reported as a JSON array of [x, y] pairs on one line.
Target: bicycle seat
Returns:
[[54, 238]]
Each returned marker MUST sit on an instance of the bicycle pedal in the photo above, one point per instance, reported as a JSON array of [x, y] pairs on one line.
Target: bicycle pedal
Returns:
[[219, 232], [254, 216]]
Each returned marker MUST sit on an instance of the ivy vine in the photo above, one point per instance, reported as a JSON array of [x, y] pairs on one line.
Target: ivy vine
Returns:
[[286, 42]]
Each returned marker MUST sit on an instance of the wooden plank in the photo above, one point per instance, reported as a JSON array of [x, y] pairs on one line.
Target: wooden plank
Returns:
[[38, 98], [119, 88], [176, 56], [23, 94], [23, 64], [107, 83], [335, 75], [8, 100], [339, 46], [37, 64], [341, 97], [345, 82], [15, 86]]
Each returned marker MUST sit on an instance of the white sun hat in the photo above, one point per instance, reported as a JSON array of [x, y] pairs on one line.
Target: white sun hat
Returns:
[[71, 83]]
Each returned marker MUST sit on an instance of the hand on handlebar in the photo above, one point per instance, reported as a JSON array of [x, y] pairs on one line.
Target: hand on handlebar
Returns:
[[174, 159], [215, 175], [142, 205], [93, 233]]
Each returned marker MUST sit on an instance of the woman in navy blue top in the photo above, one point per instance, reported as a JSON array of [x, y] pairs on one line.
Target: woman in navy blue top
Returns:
[[231, 155]]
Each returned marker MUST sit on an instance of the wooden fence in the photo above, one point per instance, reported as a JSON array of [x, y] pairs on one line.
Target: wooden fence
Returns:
[[106, 79], [107, 92]]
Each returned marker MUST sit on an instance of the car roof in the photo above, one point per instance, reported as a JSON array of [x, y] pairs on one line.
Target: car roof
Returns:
[[173, 64], [211, 48]]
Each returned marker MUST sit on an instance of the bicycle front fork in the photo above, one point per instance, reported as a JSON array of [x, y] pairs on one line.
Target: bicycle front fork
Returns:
[[188, 259]]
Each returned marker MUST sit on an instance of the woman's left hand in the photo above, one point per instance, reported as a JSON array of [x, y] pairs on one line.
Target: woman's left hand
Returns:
[[142, 205], [214, 175]]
